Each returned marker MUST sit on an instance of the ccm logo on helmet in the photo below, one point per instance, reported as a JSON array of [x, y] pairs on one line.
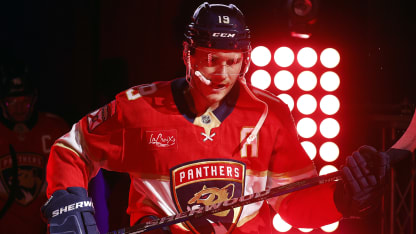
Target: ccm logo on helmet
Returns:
[[223, 34]]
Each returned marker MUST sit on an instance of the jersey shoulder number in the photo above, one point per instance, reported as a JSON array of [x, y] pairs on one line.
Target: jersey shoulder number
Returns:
[[140, 90]]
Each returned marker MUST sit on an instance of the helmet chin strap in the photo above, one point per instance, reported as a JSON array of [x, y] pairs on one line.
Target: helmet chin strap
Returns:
[[253, 134]]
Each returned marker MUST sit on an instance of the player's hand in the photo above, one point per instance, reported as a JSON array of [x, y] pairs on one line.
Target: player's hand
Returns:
[[70, 211], [364, 176]]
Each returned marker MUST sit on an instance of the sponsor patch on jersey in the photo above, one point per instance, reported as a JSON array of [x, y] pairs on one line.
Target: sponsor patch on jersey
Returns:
[[99, 116], [30, 176], [163, 139], [202, 184]]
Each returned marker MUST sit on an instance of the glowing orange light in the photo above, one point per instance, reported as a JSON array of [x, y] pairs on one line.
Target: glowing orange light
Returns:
[[284, 56], [284, 80], [307, 57], [261, 79], [307, 80], [261, 56], [330, 58]]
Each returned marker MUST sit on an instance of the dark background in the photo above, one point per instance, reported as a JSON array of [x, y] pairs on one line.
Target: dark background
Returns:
[[82, 52]]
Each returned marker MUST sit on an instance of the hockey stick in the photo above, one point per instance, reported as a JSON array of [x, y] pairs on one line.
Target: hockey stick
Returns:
[[400, 150], [15, 182], [229, 204]]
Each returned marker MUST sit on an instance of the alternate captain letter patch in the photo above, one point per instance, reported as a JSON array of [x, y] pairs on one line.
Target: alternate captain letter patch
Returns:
[[204, 183]]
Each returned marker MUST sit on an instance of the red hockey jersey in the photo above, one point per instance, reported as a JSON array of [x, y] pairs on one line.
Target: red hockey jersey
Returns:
[[32, 147], [178, 161]]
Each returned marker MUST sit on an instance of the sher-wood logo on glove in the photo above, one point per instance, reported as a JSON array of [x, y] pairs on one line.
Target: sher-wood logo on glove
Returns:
[[71, 207]]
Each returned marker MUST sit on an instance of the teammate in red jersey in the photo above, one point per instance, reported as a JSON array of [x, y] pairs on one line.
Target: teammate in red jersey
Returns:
[[31, 135], [195, 141]]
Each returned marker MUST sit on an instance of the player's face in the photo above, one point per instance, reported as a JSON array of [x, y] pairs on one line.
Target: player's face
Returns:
[[18, 108], [221, 67]]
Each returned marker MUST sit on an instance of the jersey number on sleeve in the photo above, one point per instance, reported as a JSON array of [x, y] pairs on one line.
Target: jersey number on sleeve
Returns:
[[141, 90]]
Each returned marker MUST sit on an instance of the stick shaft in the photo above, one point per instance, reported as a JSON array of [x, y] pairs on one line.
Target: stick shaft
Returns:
[[232, 203]]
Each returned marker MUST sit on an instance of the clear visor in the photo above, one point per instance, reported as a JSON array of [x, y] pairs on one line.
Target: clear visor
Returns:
[[219, 61]]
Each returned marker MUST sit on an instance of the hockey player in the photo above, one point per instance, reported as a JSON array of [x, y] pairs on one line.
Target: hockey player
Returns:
[[195, 141], [30, 134]]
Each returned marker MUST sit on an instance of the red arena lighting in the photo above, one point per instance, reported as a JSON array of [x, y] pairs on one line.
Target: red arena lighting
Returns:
[[329, 81], [284, 56], [330, 227], [306, 104], [261, 56], [261, 79], [330, 58], [309, 148], [284, 80], [306, 127], [280, 225], [307, 97], [329, 104], [327, 169], [307, 80], [307, 57], [329, 151], [286, 98], [329, 128]]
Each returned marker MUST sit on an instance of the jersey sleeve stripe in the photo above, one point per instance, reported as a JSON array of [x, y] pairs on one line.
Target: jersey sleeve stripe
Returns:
[[60, 144]]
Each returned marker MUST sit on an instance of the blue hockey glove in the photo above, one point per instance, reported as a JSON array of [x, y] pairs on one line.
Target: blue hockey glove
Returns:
[[364, 176], [70, 211]]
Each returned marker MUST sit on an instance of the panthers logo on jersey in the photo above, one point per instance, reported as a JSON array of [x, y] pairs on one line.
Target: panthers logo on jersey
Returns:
[[203, 183], [30, 176]]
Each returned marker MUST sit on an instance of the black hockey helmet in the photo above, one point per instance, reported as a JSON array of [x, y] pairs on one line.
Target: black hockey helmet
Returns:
[[14, 80], [17, 93], [218, 26]]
